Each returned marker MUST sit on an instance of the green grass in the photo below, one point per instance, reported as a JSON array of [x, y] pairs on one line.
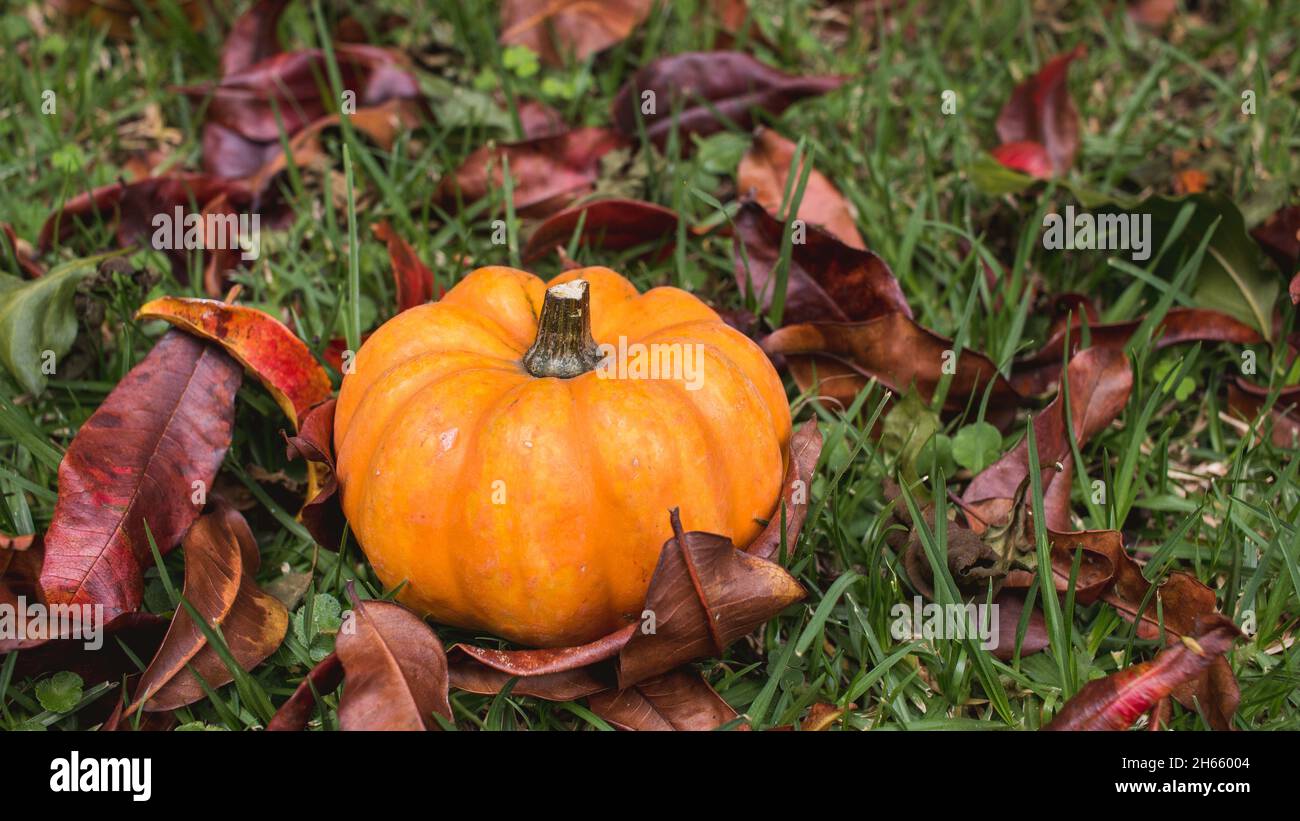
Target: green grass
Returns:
[[1227, 512]]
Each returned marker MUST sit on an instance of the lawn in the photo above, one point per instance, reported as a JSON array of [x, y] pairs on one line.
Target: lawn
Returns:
[[925, 355]]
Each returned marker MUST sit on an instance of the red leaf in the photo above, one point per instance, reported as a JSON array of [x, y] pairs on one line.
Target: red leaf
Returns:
[[1115, 702], [165, 427], [320, 681], [414, 281], [253, 37], [614, 224], [1028, 157], [548, 172], [1041, 111], [704, 87]]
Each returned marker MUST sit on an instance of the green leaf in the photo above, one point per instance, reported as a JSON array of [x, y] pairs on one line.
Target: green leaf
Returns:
[[995, 179], [977, 446], [937, 454], [38, 321], [326, 619], [1232, 278], [60, 692], [907, 428]]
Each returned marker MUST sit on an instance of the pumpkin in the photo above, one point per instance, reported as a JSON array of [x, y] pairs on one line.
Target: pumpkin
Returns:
[[516, 476]]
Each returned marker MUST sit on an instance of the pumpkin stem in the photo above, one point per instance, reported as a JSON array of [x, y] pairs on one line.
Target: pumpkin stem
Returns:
[[564, 346]]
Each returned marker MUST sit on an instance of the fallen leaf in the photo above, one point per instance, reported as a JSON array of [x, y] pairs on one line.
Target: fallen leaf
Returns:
[[394, 670], [805, 449], [1026, 156], [827, 280], [322, 515], [159, 435], [253, 36], [548, 172], [1116, 701], [704, 594], [320, 681], [1247, 401], [38, 317], [841, 357], [704, 92], [1041, 111], [613, 224], [1279, 236], [677, 700], [414, 281], [556, 674], [556, 29], [764, 173], [258, 341], [221, 560], [1100, 380]]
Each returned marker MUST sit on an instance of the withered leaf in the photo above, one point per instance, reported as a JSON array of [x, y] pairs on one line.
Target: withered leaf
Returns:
[[704, 595], [763, 174], [676, 700], [555, 674], [260, 342], [322, 515], [555, 29], [221, 558], [704, 92], [1115, 702], [394, 670], [321, 680], [841, 357], [548, 172], [1099, 380], [614, 224], [805, 449], [136, 460], [828, 280], [1041, 111]]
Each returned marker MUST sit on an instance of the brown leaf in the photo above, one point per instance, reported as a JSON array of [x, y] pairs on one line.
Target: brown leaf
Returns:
[[555, 674], [21, 252], [548, 172], [221, 560], [805, 449], [828, 280], [821, 716], [1010, 609], [1041, 111], [709, 90], [1035, 374], [394, 670], [136, 460], [1100, 380], [840, 358], [704, 595], [763, 174], [613, 224], [320, 681], [676, 700], [556, 29], [1247, 401], [1279, 236], [1115, 702], [322, 515]]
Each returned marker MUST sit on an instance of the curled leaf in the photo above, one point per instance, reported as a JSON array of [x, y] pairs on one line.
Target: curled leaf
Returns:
[[1115, 702], [259, 341], [221, 559], [414, 281], [394, 670]]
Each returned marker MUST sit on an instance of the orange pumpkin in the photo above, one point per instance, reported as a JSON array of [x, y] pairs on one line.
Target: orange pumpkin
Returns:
[[518, 479]]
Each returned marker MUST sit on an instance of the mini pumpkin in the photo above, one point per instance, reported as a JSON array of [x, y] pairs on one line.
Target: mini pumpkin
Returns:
[[517, 476]]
